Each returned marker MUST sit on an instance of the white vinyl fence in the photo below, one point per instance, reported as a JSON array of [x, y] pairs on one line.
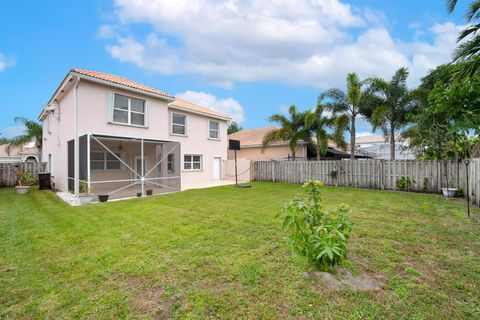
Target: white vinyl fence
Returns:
[[428, 175], [8, 171]]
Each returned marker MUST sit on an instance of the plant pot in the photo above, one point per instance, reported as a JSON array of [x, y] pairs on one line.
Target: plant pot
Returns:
[[449, 192], [103, 198], [149, 192], [22, 189], [139, 194], [85, 198]]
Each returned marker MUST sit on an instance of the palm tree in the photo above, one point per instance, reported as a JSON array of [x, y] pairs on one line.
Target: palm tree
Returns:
[[392, 102], [318, 123], [469, 49], [346, 106], [292, 129], [33, 132]]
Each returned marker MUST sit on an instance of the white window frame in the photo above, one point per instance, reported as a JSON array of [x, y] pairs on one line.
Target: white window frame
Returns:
[[192, 162], [184, 125], [218, 130], [105, 155], [129, 110]]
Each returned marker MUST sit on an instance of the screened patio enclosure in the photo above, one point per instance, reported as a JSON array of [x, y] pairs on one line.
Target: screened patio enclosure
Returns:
[[123, 167]]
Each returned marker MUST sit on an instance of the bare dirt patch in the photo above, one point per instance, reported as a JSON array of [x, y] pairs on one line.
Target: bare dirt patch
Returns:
[[149, 299], [344, 279]]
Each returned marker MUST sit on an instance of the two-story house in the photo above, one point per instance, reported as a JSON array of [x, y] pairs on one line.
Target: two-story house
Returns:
[[108, 135]]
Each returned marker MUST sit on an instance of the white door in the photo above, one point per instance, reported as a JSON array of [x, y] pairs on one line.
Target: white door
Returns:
[[217, 168]]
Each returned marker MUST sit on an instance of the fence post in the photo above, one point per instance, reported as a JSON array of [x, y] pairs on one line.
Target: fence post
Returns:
[[273, 170]]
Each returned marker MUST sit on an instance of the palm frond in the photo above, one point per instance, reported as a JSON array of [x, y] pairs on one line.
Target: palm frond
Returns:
[[473, 11], [451, 4]]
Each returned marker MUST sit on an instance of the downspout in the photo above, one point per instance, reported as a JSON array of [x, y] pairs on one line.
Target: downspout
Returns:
[[77, 146]]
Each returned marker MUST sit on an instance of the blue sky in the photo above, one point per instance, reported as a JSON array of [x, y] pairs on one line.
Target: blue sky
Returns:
[[246, 58]]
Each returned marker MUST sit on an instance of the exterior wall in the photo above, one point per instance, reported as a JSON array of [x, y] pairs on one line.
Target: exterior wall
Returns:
[[58, 129], [93, 117], [272, 152]]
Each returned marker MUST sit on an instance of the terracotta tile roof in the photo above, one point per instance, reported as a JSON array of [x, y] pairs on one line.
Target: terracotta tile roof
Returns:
[[17, 151], [29, 150], [183, 104], [120, 80], [251, 137], [254, 137]]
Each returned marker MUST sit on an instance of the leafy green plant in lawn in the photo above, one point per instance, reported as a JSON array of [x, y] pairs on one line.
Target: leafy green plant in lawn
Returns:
[[25, 178], [404, 184], [320, 236]]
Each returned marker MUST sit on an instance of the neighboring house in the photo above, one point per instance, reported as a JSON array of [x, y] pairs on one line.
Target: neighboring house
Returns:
[[375, 146], [109, 135], [27, 153], [251, 148]]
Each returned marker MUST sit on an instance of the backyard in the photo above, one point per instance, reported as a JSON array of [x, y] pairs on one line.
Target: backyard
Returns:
[[221, 253]]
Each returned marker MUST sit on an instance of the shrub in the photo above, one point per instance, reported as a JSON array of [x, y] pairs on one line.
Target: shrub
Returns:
[[404, 184], [25, 178], [320, 236]]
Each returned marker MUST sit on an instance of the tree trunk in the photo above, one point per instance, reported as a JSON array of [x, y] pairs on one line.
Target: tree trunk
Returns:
[[318, 151], [392, 143], [352, 139]]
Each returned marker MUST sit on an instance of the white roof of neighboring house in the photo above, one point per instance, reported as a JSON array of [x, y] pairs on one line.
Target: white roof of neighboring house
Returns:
[[373, 138], [126, 84], [370, 138]]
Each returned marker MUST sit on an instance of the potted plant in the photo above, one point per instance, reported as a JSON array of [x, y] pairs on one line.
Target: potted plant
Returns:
[[103, 197], [149, 192], [139, 194], [449, 192], [25, 180], [85, 196]]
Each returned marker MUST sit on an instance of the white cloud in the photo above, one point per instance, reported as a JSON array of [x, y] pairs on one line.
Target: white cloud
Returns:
[[229, 106], [13, 131], [294, 41], [6, 62]]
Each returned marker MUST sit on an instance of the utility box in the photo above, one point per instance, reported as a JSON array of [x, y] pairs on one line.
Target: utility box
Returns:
[[44, 181]]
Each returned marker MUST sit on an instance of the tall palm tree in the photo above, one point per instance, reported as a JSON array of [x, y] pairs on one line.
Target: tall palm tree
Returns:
[[393, 102], [319, 123], [33, 132], [469, 49], [346, 106], [292, 129]]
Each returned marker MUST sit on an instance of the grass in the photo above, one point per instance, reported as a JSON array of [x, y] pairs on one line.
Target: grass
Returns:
[[220, 253]]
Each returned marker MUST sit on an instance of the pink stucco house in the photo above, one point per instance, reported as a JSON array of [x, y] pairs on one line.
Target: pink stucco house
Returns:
[[109, 135]]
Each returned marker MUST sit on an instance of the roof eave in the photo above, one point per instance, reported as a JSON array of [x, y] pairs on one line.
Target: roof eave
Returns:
[[220, 117], [121, 86]]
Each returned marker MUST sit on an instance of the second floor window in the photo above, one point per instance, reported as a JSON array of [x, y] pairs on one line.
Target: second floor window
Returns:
[[213, 129], [178, 124], [128, 110]]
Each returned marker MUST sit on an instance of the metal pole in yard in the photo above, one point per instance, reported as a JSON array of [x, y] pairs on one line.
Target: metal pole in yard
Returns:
[[467, 162], [236, 177], [142, 177]]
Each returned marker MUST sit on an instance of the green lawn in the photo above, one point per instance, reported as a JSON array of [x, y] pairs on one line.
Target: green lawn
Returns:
[[221, 253]]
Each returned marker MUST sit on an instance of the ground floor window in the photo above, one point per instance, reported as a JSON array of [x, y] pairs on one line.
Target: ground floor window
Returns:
[[192, 162], [103, 160]]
